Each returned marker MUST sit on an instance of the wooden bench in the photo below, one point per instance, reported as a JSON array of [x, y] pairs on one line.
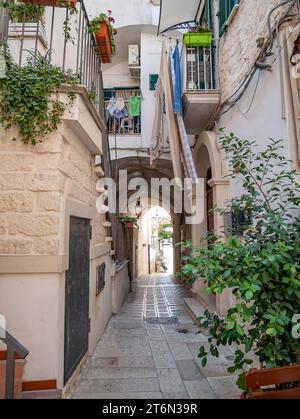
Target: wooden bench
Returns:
[[257, 379]]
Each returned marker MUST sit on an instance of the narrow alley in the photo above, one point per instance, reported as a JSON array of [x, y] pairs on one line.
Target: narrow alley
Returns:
[[149, 351]]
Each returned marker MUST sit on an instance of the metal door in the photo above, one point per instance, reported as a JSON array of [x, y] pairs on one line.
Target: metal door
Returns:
[[77, 296]]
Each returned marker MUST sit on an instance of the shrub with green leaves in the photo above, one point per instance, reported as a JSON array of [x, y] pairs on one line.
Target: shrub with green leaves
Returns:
[[260, 264], [30, 97]]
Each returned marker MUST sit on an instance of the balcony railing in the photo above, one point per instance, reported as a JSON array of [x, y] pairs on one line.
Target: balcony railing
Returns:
[[118, 118], [69, 45], [13, 348], [201, 68]]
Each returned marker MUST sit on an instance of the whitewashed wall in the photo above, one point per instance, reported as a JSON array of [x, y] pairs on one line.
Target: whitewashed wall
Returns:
[[266, 117]]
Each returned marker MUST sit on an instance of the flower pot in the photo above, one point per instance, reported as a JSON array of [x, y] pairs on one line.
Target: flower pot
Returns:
[[129, 225], [198, 39], [52, 3], [104, 43], [19, 370]]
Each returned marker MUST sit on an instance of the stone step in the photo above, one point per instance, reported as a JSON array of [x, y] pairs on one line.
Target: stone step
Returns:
[[42, 394], [194, 308]]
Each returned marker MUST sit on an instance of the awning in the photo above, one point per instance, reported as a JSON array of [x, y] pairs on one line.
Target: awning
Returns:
[[177, 12]]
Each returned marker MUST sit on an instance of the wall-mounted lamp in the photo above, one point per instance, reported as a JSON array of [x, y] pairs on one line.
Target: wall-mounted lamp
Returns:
[[138, 209]]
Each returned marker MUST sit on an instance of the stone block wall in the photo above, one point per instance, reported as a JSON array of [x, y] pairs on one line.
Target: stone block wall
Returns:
[[238, 49], [35, 181]]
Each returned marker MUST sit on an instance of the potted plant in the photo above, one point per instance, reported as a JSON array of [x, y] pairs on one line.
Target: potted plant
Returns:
[[19, 12], [34, 6], [129, 222], [200, 37], [102, 27], [53, 3], [258, 263]]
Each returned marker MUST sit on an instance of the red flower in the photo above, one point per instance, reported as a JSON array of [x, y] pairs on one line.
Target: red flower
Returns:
[[109, 12]]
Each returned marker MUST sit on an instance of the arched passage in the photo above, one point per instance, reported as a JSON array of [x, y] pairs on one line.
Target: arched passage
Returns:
[[155, 242]]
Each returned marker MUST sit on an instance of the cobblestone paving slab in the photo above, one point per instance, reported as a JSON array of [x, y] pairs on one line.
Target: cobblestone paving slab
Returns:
[[145, 354]]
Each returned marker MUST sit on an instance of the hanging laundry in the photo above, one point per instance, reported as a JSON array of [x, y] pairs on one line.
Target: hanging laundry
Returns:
[[157, 139], [188, 161], [170, 117], [112, 106], [119, 114], [120, 103], [135, 106], [177, 105]]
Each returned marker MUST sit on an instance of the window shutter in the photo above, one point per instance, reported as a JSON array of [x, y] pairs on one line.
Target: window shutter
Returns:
[[225, 9], [207, 14]]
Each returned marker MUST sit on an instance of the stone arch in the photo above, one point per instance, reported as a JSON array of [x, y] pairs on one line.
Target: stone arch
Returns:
[[208, 157]]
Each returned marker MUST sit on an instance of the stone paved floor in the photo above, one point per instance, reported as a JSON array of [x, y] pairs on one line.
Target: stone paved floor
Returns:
[[143, 353]]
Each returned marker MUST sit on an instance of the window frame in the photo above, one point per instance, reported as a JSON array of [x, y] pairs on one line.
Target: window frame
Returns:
[[225, 10]]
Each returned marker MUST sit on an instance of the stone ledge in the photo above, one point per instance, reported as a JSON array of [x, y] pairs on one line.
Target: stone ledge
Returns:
[[28, 264], [84, 119], [121, 265], [100, 250]]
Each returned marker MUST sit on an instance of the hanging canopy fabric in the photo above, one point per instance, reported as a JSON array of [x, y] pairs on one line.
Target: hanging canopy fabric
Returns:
[[177, 12], [166, 83]]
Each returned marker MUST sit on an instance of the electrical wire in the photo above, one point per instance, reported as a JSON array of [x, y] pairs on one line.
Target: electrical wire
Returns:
[[283, 3], [243, 87], [254, 94]]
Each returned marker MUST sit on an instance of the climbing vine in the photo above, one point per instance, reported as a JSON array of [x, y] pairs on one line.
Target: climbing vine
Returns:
[[19, 12], [67, 27], [29, 97], [31, 12]]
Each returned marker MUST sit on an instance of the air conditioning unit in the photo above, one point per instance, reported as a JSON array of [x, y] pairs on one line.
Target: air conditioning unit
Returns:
[[134, 61]]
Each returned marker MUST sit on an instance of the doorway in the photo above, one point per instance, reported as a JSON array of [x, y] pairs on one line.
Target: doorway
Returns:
[[156, 242], [77, 296]]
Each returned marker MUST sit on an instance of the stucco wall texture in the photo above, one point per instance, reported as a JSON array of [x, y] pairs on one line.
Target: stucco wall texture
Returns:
[[238, 48]]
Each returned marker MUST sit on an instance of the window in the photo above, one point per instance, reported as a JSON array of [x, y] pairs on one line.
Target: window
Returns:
[[100, 278], [225, 9], [206, 18], [236, 223]]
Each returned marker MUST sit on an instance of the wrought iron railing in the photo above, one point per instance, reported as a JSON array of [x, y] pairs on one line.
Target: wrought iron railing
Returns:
[[118, 118], [124, 125], [201, 68], [13, 348], [66, 38]]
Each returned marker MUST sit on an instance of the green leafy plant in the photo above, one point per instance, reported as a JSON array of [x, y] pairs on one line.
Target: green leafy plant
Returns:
[[165, 233], [31, 12], [110, 21], [30, 98], [260, 264], [19, 12], [67, 26]]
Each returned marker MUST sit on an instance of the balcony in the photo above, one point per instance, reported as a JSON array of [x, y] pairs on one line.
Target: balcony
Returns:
[[71, 47], [201, 95], [118, 114]]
